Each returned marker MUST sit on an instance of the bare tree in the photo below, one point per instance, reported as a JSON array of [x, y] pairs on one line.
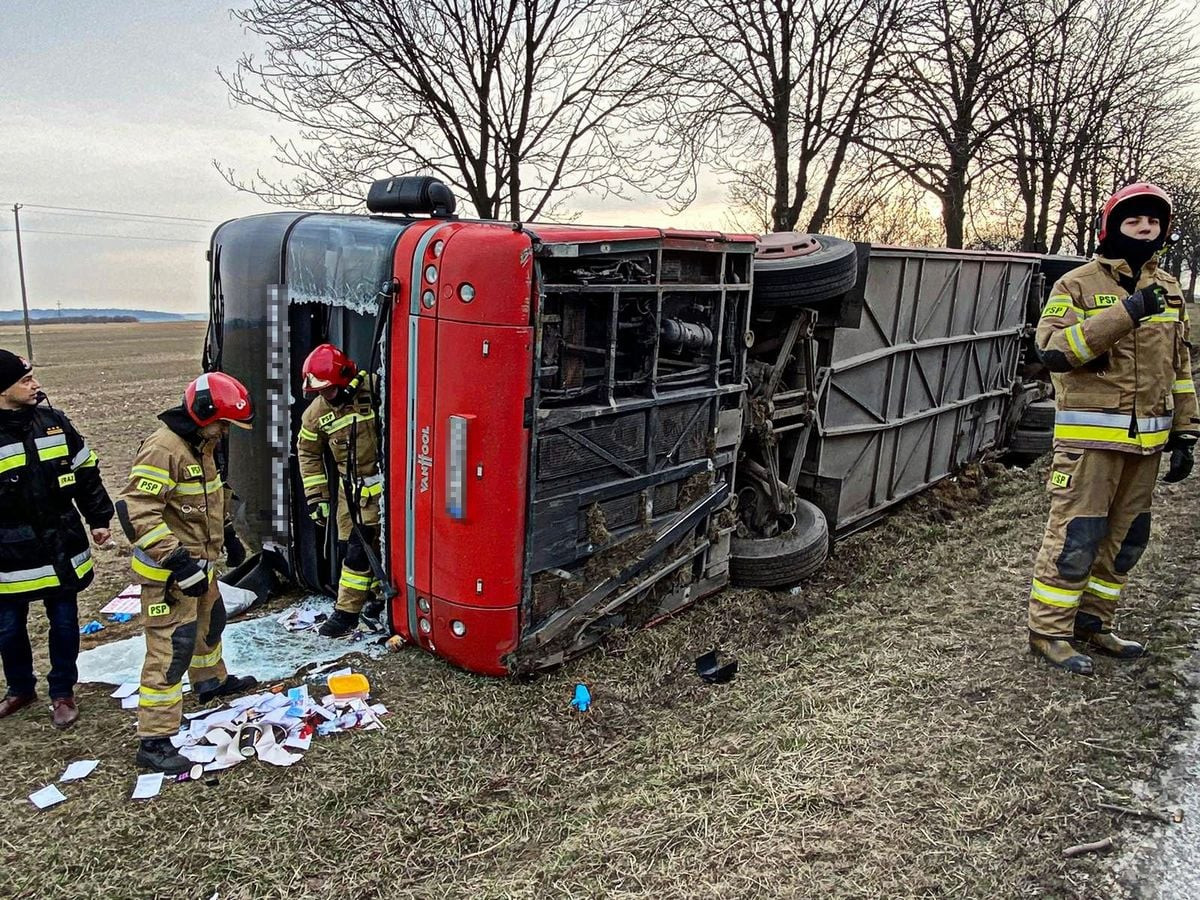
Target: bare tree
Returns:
[[772, 94], [517, 103], [957, 62]]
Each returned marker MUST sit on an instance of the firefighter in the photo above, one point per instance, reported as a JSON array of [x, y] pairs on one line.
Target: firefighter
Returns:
[[173, 511], [1114, 335], [48, 476], [341, 420]]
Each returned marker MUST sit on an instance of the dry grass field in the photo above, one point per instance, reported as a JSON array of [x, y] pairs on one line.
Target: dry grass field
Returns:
[[887, 734]]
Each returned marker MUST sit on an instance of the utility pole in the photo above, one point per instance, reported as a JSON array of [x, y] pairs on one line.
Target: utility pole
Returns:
[[21, 271]]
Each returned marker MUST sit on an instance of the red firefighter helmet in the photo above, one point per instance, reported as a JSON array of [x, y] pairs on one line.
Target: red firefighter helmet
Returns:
[[327, 366], [1147, 191], [217, 397]]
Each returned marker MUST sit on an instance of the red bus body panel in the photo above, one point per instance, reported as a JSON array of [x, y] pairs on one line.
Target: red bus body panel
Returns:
[[473, 359]]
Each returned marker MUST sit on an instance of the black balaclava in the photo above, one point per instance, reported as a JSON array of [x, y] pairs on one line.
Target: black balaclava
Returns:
[[1137, 253], [177, 419]]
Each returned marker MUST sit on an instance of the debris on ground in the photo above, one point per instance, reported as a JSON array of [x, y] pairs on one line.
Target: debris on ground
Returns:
[[261, 646], [147, 786], [91, 627], [583, 698], [48, 796], [120, 618], [711, 669], [128, 601], [78, 770]]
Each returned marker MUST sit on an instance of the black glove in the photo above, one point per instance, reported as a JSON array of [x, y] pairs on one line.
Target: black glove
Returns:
[[318, 511], [186, 573], [235, 551], [1149, 301], [1181, 446]]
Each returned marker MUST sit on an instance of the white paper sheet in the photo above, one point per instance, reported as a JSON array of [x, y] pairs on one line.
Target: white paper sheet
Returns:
[[379, 709], [47, 796], [130, 702], [199, 753], [80, 769], [295, 742], [125, 690], [250, 700], [147, 786], [128, 601]]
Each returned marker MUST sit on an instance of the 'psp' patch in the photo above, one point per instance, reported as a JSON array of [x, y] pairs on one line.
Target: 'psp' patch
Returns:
[[1055, 310], [326, 419], [1106, 300], [158, 609], [149, 486], [1060, 479], [194, 471]]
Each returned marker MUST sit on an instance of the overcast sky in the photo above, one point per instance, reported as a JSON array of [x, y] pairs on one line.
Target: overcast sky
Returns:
[[116, 105]]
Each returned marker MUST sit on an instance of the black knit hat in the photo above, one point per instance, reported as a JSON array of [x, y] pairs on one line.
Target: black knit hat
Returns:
[[12, 369]]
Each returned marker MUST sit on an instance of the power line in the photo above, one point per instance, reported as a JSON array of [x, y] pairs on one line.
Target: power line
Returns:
[[111, 212], [120, 237], [109, 217]]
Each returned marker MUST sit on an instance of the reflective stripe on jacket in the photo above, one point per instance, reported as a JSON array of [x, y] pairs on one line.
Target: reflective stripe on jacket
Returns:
[[324, 425], [174, 498], [1118, 369], [48, 476]]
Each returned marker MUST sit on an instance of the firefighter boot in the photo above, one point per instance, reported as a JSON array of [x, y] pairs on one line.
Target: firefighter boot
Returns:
[[233, 684], [340, 624], [160, 755], [1090, 630], [1058, 652]]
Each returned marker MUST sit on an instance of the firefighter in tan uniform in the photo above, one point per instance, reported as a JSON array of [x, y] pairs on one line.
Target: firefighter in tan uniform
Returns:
[[1114, 335], [340, 421], [173, 512]]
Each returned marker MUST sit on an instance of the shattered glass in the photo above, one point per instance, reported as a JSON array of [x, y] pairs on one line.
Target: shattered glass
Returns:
[[261, 647]]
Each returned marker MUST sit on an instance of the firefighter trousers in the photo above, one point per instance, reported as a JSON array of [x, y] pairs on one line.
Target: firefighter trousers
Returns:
[[1097, 531], [183, 634], [357, 580]]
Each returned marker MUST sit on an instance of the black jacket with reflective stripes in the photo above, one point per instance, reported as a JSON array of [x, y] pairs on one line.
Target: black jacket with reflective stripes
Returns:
[[47, 471]]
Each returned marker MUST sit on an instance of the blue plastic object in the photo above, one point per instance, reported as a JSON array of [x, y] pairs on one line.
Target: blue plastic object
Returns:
[[120, 618], [91, 627], [583, 698]]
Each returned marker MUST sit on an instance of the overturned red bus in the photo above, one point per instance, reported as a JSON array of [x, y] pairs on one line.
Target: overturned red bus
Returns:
[[588, 427]]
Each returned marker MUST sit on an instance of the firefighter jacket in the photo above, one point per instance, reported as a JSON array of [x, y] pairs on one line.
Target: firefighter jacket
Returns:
[[48, 476], [1128, 388], [347, 430], [174, 498]]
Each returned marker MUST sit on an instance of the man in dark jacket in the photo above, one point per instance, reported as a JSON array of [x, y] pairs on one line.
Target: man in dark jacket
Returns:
[[46, 471]]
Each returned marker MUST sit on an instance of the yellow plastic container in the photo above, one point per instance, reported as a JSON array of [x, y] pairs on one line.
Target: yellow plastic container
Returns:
[[349, 687]]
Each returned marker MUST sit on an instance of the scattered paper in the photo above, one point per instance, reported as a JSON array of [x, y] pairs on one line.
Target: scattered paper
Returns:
[[130, 702], [237, 600], [379, 709], [128, 601], [250, 701], [47, 796], [299, 619], [129, 687], [147, 786], [80, 769], [199, 753], [298, 694], [296, 742]]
